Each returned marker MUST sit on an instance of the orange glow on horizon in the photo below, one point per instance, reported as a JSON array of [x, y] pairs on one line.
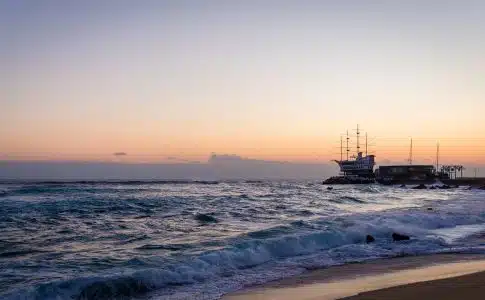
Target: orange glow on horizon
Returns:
[[304, 150]]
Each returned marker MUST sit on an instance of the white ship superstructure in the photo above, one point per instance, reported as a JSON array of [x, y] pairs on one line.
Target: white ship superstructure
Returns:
[[360, 165]]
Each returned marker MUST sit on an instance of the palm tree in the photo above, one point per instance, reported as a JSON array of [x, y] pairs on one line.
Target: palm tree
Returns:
[[448, 171], [460, 168]]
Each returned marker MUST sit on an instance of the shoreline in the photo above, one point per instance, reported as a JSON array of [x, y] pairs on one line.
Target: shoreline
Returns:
[[355, 280]]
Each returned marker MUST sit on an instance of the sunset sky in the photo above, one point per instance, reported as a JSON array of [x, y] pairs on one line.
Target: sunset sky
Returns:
[[278, 80]]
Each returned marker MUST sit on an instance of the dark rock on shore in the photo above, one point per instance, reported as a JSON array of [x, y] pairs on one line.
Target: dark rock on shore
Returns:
[[205, 218], [399, 237], [445, 187], [420, 187], [348, 180], [369, 239]]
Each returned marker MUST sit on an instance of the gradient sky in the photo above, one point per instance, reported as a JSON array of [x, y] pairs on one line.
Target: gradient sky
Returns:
[[264, 79]]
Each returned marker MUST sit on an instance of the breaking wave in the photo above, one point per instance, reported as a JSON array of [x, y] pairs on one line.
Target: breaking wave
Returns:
[[169, 252]]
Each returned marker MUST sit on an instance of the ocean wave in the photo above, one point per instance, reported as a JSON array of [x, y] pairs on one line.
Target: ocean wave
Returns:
[[16, 253], [114, 182], [135, 239], [342, 239], [180, 240], [114, 289], [269, 232], [351, 199], [345, 199], [171, 247], [33, 189], [96, 187]]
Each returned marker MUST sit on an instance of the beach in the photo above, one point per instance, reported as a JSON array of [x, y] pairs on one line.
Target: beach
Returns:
[[462, 287], [441, 276]]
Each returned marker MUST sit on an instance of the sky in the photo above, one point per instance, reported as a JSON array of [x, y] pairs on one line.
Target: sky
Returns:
[[166, 81]]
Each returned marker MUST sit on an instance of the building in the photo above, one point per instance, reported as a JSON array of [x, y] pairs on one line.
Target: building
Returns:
[[405, 174]]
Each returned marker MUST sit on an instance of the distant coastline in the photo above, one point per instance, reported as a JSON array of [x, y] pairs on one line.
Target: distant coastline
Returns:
[[225, 168]]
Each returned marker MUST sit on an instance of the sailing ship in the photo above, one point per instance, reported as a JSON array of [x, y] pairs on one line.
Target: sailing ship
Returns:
[[360, 166], [354, 169]]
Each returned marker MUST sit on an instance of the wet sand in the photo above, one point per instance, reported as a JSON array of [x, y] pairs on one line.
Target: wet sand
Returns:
[[464, 287], [418, 277]]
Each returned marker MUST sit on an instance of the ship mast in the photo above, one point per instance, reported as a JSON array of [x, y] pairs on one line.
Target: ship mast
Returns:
[[437, 155], [347, 145], [366, 144], [358, 135], [411, 152], [341, 148]]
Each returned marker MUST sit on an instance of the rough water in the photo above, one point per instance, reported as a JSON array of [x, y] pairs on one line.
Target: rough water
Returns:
[[199, 240]]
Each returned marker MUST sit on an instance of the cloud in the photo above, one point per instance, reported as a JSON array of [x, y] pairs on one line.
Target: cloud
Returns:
[[182, 160], [233, 158], [120, 154]]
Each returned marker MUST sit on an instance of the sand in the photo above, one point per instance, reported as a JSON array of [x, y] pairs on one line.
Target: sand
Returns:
[[419, 277], [464, 287]]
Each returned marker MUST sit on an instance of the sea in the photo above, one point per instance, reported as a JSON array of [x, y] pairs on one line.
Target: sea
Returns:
[[201, 240]]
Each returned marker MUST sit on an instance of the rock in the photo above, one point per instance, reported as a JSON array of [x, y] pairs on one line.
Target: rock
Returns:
[[329, 188], [403, 185], [420, 187], [369, 238], [429, 208], [205, 218], [399, 237], [432, 188]]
